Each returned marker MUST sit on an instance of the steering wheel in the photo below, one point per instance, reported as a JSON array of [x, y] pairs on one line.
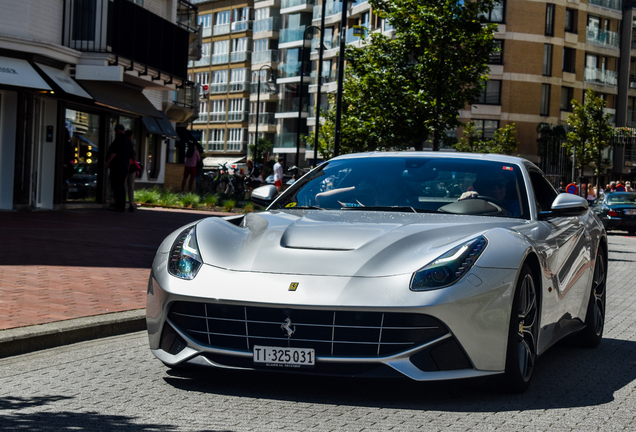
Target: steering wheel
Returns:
[[497, 203]]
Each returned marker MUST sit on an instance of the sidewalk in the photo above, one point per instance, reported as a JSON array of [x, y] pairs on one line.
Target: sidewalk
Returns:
[[59, 267]]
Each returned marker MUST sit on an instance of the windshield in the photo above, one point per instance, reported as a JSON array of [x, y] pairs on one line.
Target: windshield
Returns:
[[621, 198], [417, 184]]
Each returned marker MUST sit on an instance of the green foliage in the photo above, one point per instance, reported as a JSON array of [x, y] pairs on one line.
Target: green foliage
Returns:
[[249, 208], [169, 199], [148, 196], [211, 200], [504, 141], [399, 91], [229, 205], [589, 132], [264, 146], [190, 200]]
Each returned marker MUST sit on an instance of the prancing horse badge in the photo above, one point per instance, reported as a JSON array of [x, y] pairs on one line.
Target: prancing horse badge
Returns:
[[293, 286]]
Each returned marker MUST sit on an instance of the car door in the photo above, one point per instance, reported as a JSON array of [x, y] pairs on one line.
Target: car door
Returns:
[[570, 265]]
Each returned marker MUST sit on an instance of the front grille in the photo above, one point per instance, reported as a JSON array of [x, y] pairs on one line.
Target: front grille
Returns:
[[330, 333]]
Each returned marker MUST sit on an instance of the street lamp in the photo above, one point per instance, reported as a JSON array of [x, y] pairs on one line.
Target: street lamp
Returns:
[[319, 90], [271, 80], [300, 95]]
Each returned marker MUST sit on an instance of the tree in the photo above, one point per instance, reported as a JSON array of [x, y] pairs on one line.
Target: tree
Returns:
[[503, 142], [589, 132], [399, 91], [264, 146]]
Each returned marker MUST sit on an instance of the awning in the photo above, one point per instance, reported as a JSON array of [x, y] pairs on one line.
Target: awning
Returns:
[[166, 127], [215, 162], [20, 73], [151, 125], [64, 81], [121, 98]]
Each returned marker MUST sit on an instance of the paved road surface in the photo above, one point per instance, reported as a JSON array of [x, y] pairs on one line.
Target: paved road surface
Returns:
[[116, 384]]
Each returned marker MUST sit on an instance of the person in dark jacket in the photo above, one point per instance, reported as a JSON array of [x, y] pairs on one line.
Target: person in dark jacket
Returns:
[[117, 161]]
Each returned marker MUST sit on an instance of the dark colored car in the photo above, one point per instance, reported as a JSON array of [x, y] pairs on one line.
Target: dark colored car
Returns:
[[617, 210], [83, 183]]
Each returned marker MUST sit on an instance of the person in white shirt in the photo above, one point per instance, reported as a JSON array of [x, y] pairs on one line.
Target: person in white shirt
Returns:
[[278, 174]]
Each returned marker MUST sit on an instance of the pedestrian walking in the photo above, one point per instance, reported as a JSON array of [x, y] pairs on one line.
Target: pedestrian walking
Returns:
[[118, 160], [133, 172], [278, 174], [561, 188], [190, 167], [253, 175]]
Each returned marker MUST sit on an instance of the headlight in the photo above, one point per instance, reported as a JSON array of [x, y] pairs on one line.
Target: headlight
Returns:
[[185, 259], [450, 267]]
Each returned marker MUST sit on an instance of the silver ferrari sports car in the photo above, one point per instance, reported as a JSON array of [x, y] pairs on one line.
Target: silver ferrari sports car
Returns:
[[431, 266]]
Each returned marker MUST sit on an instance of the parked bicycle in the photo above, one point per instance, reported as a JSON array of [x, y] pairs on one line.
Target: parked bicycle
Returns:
[[222, 182]]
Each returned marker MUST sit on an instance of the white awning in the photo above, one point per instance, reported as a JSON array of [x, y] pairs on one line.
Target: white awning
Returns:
[[18, 72], [215, 162], [64, 80]]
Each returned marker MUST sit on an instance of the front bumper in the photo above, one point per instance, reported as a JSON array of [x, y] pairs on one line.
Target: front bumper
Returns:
[[461, 331]]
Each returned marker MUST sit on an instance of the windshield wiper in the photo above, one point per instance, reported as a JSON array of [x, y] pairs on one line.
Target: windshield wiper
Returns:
[[383, 208]]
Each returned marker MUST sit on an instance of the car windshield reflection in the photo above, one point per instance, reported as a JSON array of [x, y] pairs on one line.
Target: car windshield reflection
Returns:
[[420, 184]]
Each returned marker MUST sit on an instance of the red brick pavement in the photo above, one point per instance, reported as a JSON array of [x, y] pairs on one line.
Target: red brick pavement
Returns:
[[58, 265]]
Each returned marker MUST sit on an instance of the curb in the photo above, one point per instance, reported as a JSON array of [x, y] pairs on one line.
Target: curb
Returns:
[[23, 340]]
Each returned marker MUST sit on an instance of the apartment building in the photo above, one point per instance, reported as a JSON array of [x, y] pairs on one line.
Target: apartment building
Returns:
[[551, 52], [223, 75], [69, 71]]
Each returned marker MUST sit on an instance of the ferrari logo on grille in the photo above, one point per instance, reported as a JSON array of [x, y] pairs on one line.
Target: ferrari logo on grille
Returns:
[[293, 286], [287, 326]]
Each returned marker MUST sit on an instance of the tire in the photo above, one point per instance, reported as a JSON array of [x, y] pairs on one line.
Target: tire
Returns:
[[521, 352], [220, 187], [592, 334]]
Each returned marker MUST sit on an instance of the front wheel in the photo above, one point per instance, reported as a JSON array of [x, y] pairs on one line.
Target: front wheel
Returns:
[[592, 334], [521, 353]]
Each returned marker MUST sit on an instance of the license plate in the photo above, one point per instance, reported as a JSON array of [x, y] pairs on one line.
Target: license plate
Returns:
[[630, 212], [284, 357]]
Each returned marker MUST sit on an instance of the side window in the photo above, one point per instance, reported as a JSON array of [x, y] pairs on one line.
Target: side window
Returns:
[[544, 192]]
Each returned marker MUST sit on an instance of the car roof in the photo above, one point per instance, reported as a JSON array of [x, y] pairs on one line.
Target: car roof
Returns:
[[432, 154]]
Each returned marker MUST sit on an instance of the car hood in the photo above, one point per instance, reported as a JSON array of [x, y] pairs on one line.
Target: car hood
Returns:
[[336, 243]]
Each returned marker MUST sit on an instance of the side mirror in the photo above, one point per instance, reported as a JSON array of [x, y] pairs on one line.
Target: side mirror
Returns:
[[264, 195], [566, 205]]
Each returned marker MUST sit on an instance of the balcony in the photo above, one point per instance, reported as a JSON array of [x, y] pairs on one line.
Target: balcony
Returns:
[[241, 26], [290, 70], [610, 4], [269, 56], [600, 76], [220, 58], [631, 120], [236, 146], [264, 119], [128, 31], [351, 38], [266, 88], [334, 43], [203, 118], [291, 105], [332, 8], [216, 145], [203, 61], [221, 29], [603, 38], [271, 24], [291, 35], [284, 4], [187, 96], [285, 140], [240, 56], [237, 117], [218, 88], [327, 77], [239, 86]]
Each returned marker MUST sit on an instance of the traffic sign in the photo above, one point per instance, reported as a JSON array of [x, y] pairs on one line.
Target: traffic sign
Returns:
[[572, 189]]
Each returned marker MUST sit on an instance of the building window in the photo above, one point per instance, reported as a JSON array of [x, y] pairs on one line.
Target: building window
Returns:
[[549, 19], [547, 59], [497, 14], [222, 18], [217, 140], [568, 60], [221, 52], [545, 100], [570, 20], [487, 127], [496, 57], [217, 111], [235, 139], [219, 82], [567, 94], [491, 94]]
